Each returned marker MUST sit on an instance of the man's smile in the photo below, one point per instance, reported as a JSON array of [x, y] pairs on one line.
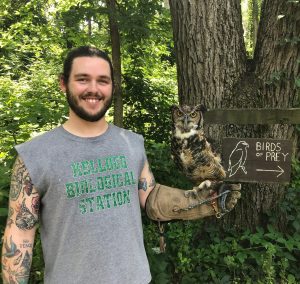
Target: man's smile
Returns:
[[91, 99]]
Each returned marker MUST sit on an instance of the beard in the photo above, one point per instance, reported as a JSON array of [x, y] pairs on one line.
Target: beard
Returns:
[[81, 112]]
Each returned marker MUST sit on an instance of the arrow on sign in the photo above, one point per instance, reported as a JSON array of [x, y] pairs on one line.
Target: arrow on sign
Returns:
[[280, 171]]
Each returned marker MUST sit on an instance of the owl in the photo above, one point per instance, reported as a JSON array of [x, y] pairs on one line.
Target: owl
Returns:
[[190, 150]]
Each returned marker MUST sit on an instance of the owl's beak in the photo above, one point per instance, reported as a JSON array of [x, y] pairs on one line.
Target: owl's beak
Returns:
[[185, 123]]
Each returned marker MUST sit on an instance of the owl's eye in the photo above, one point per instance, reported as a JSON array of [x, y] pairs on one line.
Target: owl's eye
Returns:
[[179, 113], [193, 114]]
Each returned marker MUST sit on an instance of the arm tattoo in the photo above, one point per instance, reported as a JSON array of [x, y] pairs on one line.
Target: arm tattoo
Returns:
[[24, 214], [16, 262], [11, 248], [26, 244], [22, 187], [25, 220], [152, 179], [26, 263], [143, 183], [20, 180], [35, 205], [10, 221], [10, 212]]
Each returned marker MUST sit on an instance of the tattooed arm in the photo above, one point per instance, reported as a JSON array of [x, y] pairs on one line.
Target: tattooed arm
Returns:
[[146, 184], [21, 226]]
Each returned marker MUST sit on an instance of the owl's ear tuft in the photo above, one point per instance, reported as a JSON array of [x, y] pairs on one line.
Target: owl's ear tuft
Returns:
[[201, 108], [173, 107]]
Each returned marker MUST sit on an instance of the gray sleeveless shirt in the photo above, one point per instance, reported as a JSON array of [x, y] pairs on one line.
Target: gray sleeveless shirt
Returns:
[[90, 217]]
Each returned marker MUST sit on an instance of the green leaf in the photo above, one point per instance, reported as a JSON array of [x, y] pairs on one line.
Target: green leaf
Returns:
[[241, 256], [3, 212], [290, 256]]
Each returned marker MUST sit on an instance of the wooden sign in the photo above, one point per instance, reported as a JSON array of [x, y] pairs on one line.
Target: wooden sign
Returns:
[[257, 160], [253, 116]]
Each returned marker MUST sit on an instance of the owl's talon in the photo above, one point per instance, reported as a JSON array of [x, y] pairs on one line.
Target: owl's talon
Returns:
[[192, 192], [205, 184]]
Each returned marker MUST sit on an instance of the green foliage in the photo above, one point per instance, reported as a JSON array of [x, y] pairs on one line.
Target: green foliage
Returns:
[[147, 108], [251, 15], [164, 170], [149, 87], [276, 77], [35, 36], [198, 252], [37, 267]]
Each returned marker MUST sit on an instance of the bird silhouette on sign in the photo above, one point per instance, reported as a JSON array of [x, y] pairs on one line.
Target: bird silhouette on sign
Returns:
[[238, 158]]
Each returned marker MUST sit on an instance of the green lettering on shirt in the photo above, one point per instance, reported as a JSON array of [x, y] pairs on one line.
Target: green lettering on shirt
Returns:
[[90, 201], [126, 196], [107, 182], [85, 167], [119, 198], [107, 199], [76, 168], [100, 183], [127, 179], [82, 206], [114, 199], [70, 190], [123, 162], [99, 202]]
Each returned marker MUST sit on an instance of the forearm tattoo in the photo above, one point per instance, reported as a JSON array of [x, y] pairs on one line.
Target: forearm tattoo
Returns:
[[16, 261]]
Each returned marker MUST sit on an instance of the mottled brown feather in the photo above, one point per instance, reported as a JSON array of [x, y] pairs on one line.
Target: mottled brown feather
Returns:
[[190, 149]]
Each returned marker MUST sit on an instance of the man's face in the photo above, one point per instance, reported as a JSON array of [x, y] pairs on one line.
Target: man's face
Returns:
[[89, 90]]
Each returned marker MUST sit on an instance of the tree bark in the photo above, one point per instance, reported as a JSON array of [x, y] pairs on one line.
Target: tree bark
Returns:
[[212, 69], [116, 60], [209, 49]]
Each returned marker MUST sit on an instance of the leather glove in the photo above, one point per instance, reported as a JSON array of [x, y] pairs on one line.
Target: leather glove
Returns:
[[209, 198]]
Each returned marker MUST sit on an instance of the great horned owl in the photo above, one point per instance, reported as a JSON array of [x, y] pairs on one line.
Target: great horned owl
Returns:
[[191, 151]]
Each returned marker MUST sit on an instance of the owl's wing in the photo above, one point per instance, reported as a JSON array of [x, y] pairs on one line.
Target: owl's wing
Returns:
[[215, 147]]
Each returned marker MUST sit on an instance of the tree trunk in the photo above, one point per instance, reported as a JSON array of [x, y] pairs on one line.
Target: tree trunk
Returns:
[[213, 70], [209, 51], [116, 60]]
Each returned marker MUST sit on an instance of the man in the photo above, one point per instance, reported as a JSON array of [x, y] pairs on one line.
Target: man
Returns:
[[85, 182]]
